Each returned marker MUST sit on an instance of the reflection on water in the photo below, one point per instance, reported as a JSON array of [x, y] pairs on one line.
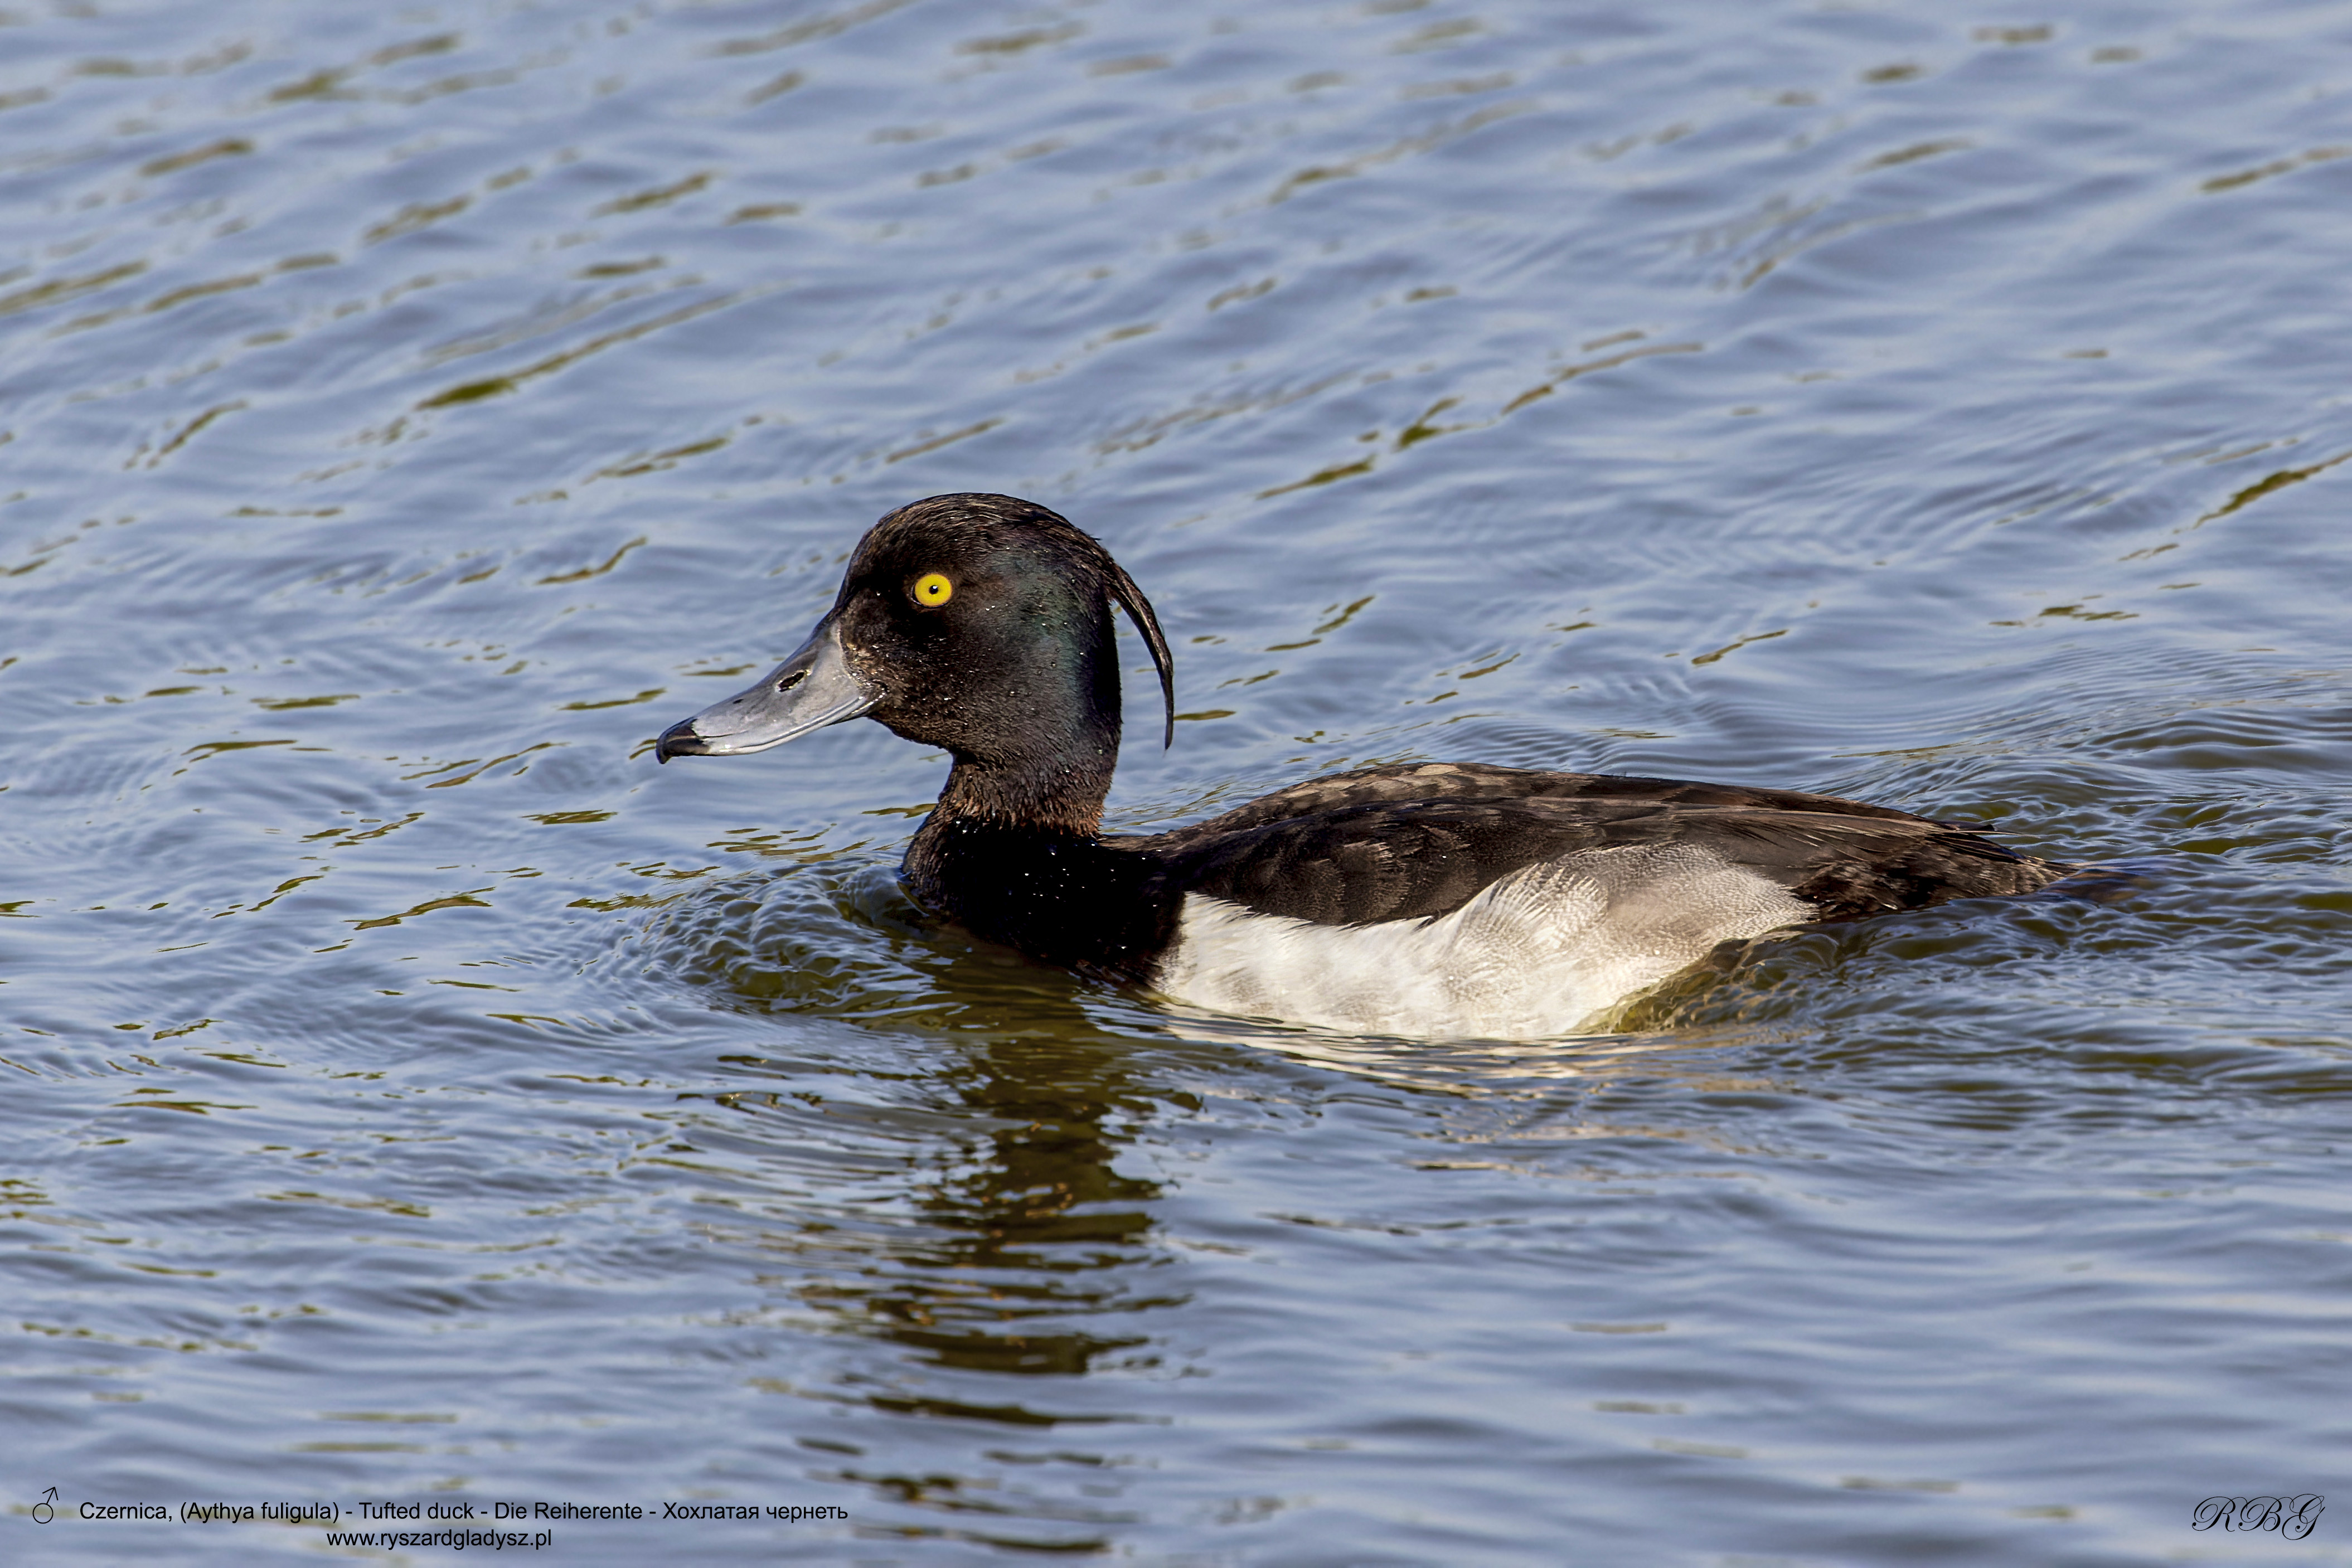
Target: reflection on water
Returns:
[[413, 1092], [1032, 1227]]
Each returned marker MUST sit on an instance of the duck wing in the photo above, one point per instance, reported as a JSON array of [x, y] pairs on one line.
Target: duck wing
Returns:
[[1414, 781], [1368, 861]]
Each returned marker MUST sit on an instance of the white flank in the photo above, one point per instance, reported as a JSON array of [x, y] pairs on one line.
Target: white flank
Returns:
[[1544, 951]]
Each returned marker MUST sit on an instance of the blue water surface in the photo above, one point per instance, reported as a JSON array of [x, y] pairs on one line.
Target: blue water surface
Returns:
[[415, 1095]]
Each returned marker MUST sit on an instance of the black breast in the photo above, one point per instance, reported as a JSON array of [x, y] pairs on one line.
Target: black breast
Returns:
[[1064, 899]]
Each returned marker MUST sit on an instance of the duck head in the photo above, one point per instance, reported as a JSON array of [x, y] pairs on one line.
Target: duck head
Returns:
[[977, 623]]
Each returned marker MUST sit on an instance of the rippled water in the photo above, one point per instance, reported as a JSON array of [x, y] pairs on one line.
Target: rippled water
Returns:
[[413, 1094]]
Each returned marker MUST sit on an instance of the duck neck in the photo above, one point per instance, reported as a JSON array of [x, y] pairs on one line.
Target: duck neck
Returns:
[[1060, 798], [1018, 861], [990, 821]]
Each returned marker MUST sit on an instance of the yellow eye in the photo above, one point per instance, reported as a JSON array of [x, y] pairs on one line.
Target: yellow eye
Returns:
[[933, 589]]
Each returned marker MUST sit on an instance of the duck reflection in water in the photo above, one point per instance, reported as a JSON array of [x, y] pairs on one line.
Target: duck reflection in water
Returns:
[[1035, 1224], [1443, 900]]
